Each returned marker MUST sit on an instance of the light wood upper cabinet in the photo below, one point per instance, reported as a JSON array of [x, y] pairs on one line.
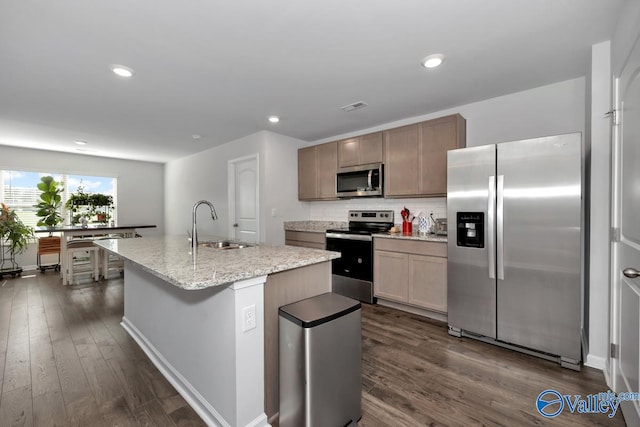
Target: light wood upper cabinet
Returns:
[[401, 161], [327, 167], [360, 150], [317, 166], [307, 174], [416, 156], [436, 138]]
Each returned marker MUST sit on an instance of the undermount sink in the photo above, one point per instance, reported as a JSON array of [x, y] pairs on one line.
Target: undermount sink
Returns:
[[223, 244]]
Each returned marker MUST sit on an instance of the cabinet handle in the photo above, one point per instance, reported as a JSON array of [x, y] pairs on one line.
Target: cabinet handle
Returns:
[[631, 272]]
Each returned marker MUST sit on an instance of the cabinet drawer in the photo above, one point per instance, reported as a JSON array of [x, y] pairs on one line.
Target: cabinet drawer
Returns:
[[304, 244], [305, 237], [411, 246]]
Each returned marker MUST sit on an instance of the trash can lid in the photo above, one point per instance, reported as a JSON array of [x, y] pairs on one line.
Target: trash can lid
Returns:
[[317, 310]]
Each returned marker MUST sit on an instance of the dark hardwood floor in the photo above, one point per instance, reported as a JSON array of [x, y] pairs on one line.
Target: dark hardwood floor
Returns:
[[66, 361], [415, 374]]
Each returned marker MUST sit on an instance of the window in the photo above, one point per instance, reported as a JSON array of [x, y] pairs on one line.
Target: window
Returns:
[[18, 190]]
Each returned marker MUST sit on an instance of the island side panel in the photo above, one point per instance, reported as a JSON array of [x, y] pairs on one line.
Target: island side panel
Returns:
[[281, 289], [194, 337]]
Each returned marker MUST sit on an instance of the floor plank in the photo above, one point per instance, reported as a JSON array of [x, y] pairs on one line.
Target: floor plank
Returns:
[[65, 360]]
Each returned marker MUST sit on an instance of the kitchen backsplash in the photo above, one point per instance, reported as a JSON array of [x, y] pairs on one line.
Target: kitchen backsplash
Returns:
[[338, 210]]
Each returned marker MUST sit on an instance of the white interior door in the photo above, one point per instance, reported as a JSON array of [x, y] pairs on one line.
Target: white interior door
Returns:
[[626, 284], [243, 199]]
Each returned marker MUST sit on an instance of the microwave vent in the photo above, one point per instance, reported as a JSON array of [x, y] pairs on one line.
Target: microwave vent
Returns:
[[354, 106]]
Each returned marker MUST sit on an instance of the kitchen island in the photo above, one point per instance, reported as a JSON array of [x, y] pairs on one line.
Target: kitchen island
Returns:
[[209, 321]]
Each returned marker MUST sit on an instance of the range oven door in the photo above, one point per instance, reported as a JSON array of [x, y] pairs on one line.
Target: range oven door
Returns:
[[353, 271]]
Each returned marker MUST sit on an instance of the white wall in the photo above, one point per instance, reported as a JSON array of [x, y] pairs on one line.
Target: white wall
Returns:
[[281, 161], [626, 34], [599, 206], [204, 176], [548, 110], [140, 184]]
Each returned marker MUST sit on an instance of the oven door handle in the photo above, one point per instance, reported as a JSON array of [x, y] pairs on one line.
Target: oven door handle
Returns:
[[344, 236]]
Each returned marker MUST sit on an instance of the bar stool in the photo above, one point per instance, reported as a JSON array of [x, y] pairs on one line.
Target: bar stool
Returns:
[[81, 265], [108, 261]]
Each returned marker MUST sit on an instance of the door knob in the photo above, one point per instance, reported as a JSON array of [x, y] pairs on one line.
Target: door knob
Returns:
[[631, 272], [235, 225]]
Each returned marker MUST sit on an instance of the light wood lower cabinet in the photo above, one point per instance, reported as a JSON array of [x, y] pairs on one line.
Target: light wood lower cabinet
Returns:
[[428, 282], [411, 272], [306, 239], [391, 275]]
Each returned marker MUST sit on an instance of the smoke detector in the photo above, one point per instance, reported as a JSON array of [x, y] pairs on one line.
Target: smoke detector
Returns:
[[354, 106]]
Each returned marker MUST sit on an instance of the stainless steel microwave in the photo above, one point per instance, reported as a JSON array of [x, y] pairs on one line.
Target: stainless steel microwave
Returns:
[[360, 181]]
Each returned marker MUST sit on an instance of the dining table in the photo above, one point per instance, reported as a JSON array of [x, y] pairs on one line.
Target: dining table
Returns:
[[89, 232]]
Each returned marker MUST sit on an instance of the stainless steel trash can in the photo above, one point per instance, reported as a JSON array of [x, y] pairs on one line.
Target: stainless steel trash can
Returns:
[[320, 362]]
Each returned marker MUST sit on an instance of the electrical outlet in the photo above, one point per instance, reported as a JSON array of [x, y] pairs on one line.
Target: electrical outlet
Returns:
[[274, 212], [248, 318]]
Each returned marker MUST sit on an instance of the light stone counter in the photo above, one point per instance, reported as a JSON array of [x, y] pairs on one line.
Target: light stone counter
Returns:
[[413, 236], [169, 259]]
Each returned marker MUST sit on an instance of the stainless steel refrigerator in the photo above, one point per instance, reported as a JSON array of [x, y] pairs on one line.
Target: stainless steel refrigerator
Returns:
[[514, 245]]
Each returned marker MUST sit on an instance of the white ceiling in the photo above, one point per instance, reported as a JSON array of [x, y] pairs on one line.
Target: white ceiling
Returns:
[[219, 68]]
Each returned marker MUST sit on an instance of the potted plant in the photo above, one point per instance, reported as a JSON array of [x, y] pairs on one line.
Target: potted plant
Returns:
[[49, 213], [17, 235], [77, 205], [101, 205], [50, 202]]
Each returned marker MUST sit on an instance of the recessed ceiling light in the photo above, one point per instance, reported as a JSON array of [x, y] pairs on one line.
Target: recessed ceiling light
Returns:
[[122, 71], [432, 61], [80, 142], [274, 119]]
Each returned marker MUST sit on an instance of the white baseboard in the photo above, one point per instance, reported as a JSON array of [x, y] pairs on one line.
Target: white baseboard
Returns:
[[596, 362], [208, 414]]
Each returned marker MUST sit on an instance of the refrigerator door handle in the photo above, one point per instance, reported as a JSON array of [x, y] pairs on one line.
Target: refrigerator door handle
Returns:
[[491, 220], [500, 226]]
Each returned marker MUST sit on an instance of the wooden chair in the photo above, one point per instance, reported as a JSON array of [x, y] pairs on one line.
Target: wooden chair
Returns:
[[48, 246]]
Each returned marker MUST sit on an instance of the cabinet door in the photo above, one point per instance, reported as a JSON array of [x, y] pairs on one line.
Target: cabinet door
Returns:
[[436, 138], [401, 167], [371, 148], [327, 167], [428, 282], [307, 174], [390, 276], [348, 152]]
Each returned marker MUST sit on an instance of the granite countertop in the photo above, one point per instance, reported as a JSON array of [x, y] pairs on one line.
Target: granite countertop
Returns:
[[170, 259], [414, 236], [314, 226]]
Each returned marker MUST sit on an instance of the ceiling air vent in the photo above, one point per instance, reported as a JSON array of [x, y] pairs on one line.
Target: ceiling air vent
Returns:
[[354, 106]]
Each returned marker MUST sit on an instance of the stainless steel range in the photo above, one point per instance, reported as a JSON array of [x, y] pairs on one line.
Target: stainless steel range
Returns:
[[353, 272]]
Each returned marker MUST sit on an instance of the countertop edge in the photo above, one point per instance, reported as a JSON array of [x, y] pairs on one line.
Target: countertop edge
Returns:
[[228, 277]]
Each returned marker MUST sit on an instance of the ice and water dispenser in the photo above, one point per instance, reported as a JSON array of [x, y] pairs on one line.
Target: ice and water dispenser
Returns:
[[470, 229]]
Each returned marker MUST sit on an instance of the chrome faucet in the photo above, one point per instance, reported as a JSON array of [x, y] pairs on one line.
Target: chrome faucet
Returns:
[[194, 229]]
